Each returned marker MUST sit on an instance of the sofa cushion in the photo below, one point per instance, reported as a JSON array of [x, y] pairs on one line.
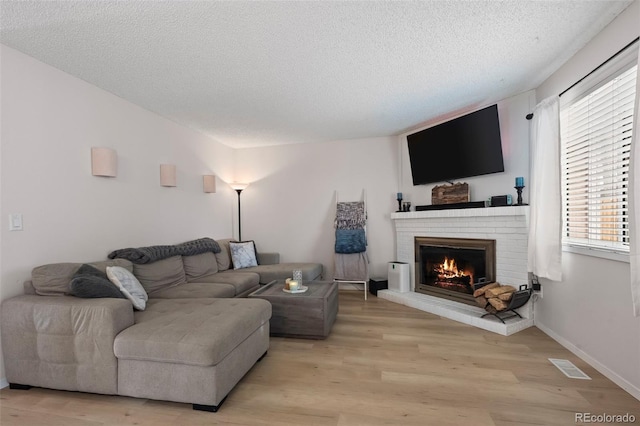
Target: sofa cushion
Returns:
[[89, 282], [128, 285], [200, 265], [54, 279], [161, 274], [224, 257], [243, 254], [240, 280], [196, 291], [280, 271], [198, 332]]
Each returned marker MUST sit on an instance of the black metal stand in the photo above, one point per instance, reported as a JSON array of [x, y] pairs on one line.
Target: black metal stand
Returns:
[[239, 220], [502, 318], [518, 300], [399, 204], [519, 201]]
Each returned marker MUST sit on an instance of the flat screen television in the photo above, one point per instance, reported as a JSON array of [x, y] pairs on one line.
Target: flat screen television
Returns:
[[463, 147]]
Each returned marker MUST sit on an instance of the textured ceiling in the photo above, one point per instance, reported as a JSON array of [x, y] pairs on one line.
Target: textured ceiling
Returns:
[[251, 73]]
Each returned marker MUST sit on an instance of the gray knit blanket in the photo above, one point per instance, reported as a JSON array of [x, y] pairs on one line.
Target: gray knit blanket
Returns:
[[350, 215], [150, 254]]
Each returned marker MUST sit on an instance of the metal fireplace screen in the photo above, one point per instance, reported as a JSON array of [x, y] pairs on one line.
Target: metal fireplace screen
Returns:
[[453, 267]]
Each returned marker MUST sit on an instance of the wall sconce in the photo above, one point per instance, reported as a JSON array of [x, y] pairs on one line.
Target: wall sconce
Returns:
[[104, 162], [168, 174], [209, 184]]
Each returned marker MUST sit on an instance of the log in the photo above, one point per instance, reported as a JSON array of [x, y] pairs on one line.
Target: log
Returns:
[[494, 292], [463, 280], [498, 304], [505, 296], [490, 309], [450, 194], [481, 301], [481, 290]]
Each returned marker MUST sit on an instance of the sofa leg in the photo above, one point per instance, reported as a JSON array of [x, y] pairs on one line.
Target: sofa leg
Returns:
[[209, 408], [18, 386], [263, 355]]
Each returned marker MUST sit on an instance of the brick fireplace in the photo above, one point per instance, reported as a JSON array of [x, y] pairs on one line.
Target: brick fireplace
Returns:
[[507, 226]]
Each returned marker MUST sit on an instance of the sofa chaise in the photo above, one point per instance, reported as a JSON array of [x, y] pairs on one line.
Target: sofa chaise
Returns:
[[194, 341]]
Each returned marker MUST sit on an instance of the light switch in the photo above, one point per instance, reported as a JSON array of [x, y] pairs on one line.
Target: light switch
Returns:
[[15, 222]]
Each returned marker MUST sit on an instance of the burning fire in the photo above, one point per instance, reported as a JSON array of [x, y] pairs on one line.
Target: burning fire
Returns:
[[449, 269]]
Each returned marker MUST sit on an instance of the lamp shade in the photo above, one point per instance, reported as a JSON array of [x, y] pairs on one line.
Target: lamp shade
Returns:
[[209, 184], [238, 186], [104, 162], [167, 174]]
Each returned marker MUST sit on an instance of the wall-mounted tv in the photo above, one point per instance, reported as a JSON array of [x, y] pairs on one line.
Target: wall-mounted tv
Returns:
[[463, 147]]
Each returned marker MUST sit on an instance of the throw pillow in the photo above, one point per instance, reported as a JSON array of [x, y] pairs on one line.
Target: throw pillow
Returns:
[[243, 254], [86, 269], [129, 286], [89, 282]]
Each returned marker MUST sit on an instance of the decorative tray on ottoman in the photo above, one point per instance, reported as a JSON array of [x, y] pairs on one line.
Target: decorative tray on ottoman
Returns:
[[302, 289]]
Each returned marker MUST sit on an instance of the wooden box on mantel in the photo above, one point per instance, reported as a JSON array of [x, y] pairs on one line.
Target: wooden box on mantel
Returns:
[[450, 193]]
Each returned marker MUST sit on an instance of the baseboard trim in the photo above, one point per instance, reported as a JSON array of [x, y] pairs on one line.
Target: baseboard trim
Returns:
[[602, 369], [3, 383]]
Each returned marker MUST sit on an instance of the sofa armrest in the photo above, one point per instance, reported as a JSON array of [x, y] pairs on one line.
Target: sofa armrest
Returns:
[[63, 342], [268, 258]]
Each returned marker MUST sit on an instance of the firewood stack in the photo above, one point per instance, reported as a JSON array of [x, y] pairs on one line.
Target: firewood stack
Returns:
[[494, 297]]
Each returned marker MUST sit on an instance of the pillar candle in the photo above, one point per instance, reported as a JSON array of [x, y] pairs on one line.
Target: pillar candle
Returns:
[[520, 181], [399, 196]]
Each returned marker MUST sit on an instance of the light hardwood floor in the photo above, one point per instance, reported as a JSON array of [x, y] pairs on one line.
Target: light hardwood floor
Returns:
[[383, 364]]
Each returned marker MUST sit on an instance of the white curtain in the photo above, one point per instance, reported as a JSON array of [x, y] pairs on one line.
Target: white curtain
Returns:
[[545, 220], [634, 205]]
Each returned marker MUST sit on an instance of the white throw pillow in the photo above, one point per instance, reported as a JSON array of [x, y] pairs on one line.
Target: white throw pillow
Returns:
[[243, 254], [129, 286]]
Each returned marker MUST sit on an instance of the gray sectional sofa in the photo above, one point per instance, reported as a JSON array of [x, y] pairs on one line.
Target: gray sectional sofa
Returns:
[[193, 343]]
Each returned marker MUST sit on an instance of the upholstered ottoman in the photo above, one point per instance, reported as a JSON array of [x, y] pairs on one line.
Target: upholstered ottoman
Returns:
[[191, 350]]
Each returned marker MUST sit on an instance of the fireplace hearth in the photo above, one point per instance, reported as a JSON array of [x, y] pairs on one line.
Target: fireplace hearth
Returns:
[[452, 268]]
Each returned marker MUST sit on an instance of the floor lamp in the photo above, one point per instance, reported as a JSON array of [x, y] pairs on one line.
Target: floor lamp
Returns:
[[238, 188]]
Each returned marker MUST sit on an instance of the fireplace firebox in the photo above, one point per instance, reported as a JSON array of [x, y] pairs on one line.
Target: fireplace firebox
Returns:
[[452, 268]]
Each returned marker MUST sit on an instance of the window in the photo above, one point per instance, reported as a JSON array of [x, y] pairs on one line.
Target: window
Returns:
[[596, 122]]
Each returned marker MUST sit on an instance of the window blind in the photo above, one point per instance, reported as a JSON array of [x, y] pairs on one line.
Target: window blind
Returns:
[[596, 132]]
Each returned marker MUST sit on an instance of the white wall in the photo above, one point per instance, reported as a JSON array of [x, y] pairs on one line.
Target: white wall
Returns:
[[290, 205], [50, 121], [590, 311], [514, 130]]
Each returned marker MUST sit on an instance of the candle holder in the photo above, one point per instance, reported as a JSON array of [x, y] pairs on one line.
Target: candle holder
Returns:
[[519, 201], [399, 204]]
